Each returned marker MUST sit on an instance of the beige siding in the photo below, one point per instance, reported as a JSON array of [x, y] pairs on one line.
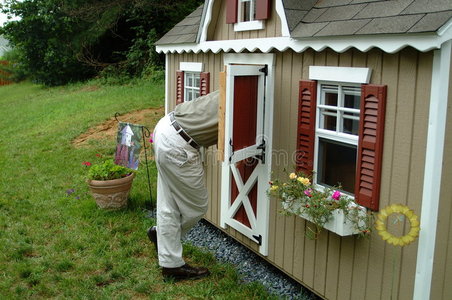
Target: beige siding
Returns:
[[442, 268], [219, 30], [350, 268]]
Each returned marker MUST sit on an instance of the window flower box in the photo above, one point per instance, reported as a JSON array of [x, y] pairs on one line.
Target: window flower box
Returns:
[[325, 207], [338, 221]]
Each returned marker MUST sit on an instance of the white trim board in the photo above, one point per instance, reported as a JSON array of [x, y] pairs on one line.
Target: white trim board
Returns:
[[388, 43], [250, 25], [191, 66], [433, 171], [279, 7], [167, 84], [205, 19], [340, 74]]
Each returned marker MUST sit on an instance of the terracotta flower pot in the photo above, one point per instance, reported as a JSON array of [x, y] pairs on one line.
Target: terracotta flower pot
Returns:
[[111, 194]]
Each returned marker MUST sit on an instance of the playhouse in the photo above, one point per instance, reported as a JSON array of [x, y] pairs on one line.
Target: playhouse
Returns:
[[356, 91]]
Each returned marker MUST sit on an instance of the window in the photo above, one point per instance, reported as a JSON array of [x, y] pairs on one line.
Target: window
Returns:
[[340, 131], [247, 14], [337, 135], [247, 10], [192, 84]]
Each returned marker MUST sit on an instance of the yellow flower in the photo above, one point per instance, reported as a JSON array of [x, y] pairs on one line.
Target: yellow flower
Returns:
[[274, 188], [293, 176], [304, 180]]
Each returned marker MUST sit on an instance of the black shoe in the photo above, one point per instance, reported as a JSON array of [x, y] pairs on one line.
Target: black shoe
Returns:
[[152, 235], [185, 272]]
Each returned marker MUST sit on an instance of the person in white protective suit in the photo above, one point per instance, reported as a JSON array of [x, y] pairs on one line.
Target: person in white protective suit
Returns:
[[181, 194]]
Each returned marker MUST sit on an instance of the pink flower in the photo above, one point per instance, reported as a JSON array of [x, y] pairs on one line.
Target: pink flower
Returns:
[[308, 192], [151, 140], [336, 195], [86, 163]]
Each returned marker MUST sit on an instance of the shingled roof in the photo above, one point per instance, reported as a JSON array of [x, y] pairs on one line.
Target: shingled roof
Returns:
[[363, 17], [323, 18], [185, 31]]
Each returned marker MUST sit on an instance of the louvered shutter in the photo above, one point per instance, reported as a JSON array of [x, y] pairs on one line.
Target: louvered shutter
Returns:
[[370, 146], [204, 85], [231, 11], [262, 9], [306, 126], [179, 87]]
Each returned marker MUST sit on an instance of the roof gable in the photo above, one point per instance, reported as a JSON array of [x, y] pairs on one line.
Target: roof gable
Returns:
[[390, 25]]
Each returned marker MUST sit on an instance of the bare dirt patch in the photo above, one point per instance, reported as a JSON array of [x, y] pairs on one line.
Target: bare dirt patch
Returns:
[[108, 130]]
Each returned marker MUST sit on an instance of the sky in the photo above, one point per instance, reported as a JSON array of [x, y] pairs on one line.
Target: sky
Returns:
[[2, 19], [2, 16]]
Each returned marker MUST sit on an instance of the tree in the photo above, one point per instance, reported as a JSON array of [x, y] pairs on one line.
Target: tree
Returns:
[[60, 41]]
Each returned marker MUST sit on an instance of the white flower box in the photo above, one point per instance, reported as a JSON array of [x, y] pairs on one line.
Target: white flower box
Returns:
[[338, 224]]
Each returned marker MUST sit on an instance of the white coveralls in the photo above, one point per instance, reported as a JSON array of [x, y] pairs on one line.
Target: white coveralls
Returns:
[[181, 194]]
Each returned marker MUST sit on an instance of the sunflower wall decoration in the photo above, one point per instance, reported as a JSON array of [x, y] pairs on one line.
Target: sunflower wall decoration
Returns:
[[381, 225]]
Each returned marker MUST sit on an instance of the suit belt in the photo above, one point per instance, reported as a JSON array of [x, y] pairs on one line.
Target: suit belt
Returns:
[[182, 132]]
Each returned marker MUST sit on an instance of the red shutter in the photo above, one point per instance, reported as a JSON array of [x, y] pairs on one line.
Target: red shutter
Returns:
[[370, 147], [262, 9], [306, 126], [204, 87], [179, 87], [231, 11]]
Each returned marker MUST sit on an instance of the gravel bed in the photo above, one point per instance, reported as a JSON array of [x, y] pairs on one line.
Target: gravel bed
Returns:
[[250, 266]]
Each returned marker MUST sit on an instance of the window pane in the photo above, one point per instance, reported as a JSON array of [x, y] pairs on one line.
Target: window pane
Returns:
[[196, 94], [328, 119], [189, 95], [190, 80], [246, 9], [197, 80], [331, 99], [351, 126], [336, 164], [351, 101]]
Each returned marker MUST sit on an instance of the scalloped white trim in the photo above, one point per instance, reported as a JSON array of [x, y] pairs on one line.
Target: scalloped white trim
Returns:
[[388, 43]]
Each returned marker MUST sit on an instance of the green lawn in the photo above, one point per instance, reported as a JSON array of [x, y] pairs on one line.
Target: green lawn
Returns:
[[55, 245]]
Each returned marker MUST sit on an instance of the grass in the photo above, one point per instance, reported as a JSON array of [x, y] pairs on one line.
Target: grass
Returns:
[[59, 245]]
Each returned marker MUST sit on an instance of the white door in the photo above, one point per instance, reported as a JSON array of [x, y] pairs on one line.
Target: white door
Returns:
[[246, 166]]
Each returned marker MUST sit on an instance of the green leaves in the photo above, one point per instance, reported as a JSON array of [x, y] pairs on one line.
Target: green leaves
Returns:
[[62, 41], [108, 170]]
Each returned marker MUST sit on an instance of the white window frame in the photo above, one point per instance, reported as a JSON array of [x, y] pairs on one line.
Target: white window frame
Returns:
[[252, 24], [193, 89], [190, 69], [340, 77]]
